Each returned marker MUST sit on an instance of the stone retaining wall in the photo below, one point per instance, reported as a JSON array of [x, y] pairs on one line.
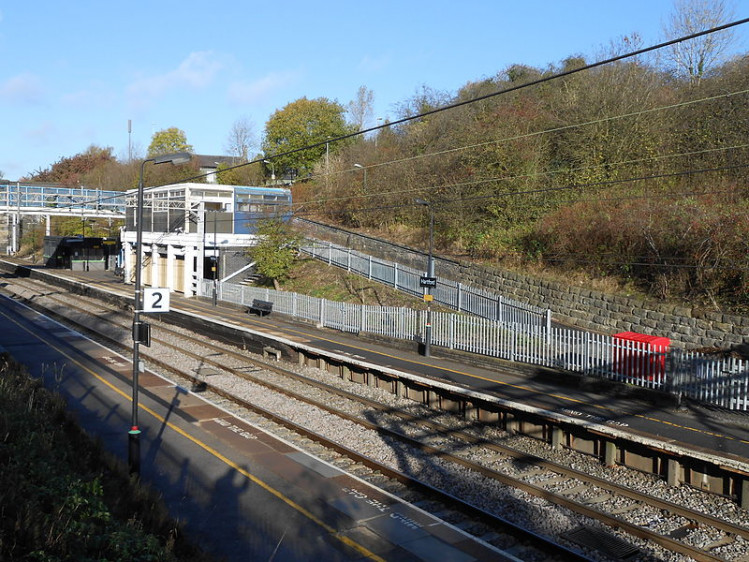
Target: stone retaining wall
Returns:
[[571, 305]]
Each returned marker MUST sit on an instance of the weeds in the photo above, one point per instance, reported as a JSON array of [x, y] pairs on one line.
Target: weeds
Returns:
[[62, 497]]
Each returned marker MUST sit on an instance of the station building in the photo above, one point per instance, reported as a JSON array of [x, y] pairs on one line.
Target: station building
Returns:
[[196, 231]]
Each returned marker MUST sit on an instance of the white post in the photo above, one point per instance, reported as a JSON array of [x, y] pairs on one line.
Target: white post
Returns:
[[155, 266], [190, 273], [127, 250], [170, 266]]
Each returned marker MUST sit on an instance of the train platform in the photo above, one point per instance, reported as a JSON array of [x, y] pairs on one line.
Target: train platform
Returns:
[[655, 419], [241, 493], [660, 415], [586, 400]]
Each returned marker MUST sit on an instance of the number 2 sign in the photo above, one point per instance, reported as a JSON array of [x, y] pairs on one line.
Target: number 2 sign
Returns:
[[155, 299]]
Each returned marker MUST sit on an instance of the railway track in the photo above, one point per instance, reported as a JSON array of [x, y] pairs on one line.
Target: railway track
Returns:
[[463, 446]]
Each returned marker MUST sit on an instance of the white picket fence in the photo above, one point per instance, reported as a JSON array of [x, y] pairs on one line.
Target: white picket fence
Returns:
[[452, 294], [717, 381]]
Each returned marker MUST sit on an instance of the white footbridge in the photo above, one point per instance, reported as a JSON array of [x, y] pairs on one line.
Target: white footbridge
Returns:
[[19, 199]]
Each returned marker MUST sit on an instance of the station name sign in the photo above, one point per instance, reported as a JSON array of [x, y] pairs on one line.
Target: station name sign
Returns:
[[430, 282]]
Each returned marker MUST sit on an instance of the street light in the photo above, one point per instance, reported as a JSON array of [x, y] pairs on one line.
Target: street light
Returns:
[[141, 329], [365, 175], [327, 161], [430, 275], [272, 169], [215, 261]]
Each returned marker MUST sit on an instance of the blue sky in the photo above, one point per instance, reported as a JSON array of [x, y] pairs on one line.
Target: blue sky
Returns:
[[73, 73]]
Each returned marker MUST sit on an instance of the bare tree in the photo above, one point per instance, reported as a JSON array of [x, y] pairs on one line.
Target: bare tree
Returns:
[[694, 58], [241, 138], [360, 110]]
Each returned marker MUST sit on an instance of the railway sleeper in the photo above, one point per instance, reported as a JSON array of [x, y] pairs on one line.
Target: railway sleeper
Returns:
[[675, 469]]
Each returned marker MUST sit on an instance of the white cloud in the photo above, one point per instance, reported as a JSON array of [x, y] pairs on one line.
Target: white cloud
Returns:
[[195, 72], [243, 93], [24, 88]]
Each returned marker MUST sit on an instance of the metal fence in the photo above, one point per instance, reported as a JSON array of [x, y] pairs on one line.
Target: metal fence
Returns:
[[451, 294], [723, 382]]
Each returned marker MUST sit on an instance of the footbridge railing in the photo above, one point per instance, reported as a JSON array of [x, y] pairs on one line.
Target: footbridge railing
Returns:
[[37, 199]]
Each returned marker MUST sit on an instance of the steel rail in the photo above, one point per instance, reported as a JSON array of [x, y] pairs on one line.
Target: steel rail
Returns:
[[537, 491], [498, 523]]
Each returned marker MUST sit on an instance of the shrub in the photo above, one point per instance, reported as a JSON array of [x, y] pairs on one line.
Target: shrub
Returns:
[[60, 497], [688, 246]]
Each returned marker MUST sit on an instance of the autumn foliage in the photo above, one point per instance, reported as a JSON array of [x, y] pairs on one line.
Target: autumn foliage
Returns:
[[624, 171]]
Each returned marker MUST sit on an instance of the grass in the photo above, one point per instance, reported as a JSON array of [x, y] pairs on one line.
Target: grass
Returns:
[[315, 278]]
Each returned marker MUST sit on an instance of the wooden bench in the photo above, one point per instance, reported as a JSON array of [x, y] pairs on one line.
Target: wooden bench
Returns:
[[261, 307]]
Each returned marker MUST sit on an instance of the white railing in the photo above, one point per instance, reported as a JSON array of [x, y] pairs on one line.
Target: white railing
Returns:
[[15, 196], [452, 294], [713, 380]]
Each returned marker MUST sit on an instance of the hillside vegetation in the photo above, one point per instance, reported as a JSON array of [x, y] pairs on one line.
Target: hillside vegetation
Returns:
[[629, 174], [624, 172]]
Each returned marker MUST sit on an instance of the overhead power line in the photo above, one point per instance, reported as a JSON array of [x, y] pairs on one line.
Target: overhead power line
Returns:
[[548, 131], [500, 92], [477, 99]]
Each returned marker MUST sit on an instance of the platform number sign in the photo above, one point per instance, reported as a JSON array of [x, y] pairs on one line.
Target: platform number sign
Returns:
[[155, 299]]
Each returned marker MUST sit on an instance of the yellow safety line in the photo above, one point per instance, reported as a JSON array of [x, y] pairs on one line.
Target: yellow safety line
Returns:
[[607, 409], [267, 487]]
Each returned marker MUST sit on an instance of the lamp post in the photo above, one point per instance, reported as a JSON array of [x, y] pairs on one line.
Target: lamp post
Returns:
[[430, 276], [327, 161], [272, 169], [140, 329], [365, 175], [215, 262]]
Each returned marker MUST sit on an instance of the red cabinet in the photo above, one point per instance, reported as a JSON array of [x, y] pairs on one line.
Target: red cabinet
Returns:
[[640, 356]]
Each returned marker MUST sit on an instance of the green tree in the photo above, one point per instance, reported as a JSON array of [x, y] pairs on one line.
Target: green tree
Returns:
[[249, 174], [276, 251], [167, 141], [300, 124]]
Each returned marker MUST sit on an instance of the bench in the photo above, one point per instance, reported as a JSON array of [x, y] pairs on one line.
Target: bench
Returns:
[[261, 307]]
